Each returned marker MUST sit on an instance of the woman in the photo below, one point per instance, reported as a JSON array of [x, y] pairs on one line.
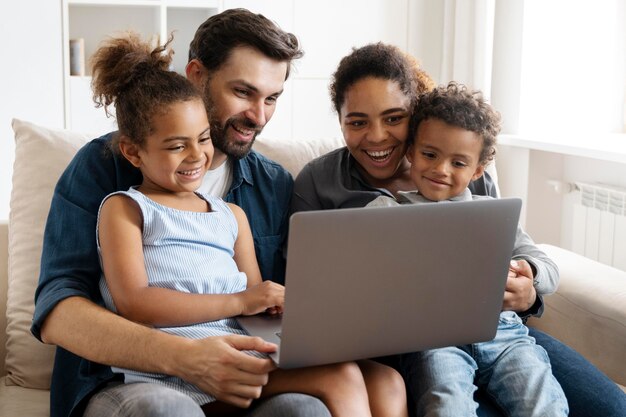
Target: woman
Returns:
[[374, 90]]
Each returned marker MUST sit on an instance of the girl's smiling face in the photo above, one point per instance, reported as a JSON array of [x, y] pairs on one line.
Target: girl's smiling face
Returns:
[[374, 119], [444, 159], [178, 152]]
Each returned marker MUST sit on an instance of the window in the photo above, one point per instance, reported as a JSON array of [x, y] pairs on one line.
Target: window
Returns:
[[573, 67]]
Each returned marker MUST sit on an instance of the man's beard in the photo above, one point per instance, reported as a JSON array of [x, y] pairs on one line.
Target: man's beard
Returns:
[[219, 137], [239, 149]]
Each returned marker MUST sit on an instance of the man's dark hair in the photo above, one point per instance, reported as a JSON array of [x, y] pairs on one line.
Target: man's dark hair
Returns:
[[458, 106], [220, 34]]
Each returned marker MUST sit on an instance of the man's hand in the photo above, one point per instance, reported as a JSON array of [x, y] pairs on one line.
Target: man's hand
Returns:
[[519, 294], [217, 366]]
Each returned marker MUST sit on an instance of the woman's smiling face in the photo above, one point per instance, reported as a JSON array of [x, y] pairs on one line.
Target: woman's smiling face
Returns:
[[374, 120]]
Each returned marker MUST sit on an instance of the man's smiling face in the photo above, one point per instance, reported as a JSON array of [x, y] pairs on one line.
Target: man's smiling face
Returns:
[[241, 98]]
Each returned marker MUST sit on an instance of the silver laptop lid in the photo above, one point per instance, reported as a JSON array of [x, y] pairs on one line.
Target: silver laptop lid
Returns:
[[369, 282]]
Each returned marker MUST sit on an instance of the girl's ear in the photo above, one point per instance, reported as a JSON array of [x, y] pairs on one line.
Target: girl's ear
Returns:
[[130, 151], [480, 169]]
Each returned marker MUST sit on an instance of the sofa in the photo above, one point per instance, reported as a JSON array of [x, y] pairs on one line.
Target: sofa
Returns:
[[587, 313]]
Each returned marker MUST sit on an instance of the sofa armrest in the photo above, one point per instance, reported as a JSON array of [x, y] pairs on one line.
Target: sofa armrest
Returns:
[[4, 279], [588, 311]]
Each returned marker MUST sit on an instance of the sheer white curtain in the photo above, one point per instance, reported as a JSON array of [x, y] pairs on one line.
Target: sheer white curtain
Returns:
[[573, 67], [454, 40], [468, 43], [549, 66]]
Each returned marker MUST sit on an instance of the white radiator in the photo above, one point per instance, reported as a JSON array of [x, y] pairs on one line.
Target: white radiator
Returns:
[[599, 224]]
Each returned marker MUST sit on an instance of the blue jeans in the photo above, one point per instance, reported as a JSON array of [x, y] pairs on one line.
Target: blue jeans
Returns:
[[588, 391], [513, 371], [155, 400]]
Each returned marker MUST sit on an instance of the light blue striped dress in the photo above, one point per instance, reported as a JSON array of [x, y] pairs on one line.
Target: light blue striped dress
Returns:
[[189, 252]]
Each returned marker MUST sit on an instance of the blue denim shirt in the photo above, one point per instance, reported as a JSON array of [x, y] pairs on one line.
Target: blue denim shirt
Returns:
[[70, 264]]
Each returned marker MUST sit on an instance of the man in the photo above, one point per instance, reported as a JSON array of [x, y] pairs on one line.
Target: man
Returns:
[[240, 60]]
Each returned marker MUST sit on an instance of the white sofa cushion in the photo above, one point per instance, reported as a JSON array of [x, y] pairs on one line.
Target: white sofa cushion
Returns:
[[41, 155], [294, 154]]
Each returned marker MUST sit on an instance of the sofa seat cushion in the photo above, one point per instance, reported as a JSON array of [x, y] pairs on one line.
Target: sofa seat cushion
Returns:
[[20, 402]]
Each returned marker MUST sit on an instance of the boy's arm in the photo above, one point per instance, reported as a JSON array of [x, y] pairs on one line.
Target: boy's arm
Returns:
[[120, 237], [544, 270], [533, 276]]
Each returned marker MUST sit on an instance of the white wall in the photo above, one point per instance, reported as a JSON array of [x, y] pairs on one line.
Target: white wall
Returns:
[[530, 175], [31, 78], [328, 30]]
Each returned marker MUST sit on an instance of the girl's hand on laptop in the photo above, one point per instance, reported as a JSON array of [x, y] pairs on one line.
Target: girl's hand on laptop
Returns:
[[266, 296], [520, 294], [274, 311]]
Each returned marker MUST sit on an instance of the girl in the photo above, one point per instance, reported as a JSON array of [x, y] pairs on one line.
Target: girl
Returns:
[[185, 262]]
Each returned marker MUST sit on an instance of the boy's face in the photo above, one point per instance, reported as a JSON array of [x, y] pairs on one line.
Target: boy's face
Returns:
[[444, 159]]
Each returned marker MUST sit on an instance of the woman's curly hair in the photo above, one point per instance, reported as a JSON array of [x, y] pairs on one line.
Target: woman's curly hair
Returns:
[[458, 106], [379, 60], [136, 78]]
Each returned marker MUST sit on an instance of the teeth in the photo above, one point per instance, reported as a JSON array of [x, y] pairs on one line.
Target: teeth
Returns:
[[191, 172], [242, 131], [379, 154]]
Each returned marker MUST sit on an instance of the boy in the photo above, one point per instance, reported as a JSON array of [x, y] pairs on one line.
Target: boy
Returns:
[[453, 138]]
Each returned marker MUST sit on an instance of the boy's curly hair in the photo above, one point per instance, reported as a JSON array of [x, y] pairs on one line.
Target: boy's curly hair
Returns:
[[458, 106]]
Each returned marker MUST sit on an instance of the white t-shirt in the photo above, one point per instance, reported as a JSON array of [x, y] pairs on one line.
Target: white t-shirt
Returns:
[[217, 181]]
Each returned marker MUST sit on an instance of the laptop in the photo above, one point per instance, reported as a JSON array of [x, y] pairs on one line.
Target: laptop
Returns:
[[369, 282]]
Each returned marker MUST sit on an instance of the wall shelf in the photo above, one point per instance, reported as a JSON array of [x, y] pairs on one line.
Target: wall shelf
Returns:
[[95, 20]]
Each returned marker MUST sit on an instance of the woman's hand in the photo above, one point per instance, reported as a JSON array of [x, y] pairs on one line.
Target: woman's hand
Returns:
[[267, 295], [519, 294]]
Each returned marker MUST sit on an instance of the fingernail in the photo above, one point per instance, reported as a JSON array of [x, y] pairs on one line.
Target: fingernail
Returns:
[[514, 263]]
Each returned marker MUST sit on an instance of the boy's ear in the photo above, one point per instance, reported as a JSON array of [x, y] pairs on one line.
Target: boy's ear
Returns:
[[409, 153], [480, 170], [130, 151]]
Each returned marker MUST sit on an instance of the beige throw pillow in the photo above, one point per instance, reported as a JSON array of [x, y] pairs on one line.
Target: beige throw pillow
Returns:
[[41, 155]]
